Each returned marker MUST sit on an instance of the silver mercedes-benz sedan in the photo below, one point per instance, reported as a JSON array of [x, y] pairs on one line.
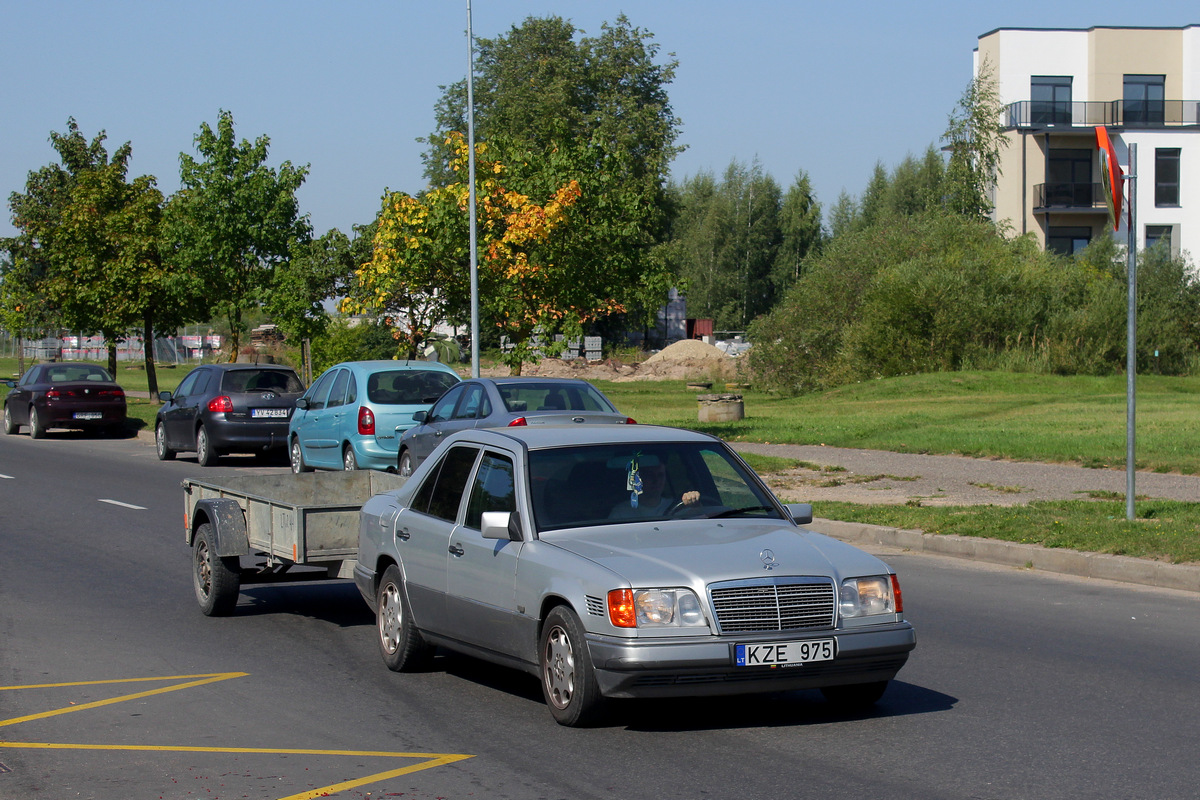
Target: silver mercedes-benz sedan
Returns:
[[623, 561]]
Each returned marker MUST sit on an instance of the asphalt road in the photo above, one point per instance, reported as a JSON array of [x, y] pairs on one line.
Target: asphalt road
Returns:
[[113, 685]]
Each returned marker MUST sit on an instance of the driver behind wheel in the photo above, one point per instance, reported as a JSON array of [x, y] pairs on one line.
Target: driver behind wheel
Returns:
[[646, 480]]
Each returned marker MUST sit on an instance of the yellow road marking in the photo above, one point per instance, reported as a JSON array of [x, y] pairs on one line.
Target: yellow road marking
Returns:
[[191, 682]]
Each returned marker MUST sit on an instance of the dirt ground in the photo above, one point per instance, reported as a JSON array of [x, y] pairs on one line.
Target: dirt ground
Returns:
[[689, 359]]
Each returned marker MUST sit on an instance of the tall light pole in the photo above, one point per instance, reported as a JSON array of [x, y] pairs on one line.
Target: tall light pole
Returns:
[[471, 194]]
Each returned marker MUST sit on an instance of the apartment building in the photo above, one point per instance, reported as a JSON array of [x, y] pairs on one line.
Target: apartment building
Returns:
[[1143, 85]]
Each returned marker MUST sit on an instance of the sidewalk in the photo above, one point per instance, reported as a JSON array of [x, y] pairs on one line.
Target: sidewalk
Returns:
[[873, 476]]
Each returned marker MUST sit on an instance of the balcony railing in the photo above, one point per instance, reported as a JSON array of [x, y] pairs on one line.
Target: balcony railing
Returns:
[[1068, 196], [1114, 113]]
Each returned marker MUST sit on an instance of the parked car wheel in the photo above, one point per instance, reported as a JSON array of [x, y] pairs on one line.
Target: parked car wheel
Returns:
[[855, 696], [160, 443], [405, 465], [36, 429], [568, 679], [205, 455], [349, 461], [400, 643], [215, 579], [10, 427], [296, 456]]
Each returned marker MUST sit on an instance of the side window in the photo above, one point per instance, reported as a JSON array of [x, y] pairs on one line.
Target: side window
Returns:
[[492, 489], [469, 407], [202, 380], [445, 406], [188, 383], [316, 395], [30, 376], [352, 389], [441, 494], [337, 395]]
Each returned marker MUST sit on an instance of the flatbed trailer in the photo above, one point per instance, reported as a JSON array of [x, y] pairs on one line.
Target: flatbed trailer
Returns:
[[309, 521]]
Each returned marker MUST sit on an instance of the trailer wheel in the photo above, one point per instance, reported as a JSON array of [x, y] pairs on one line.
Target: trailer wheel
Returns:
[[400, 642], [215, 579]]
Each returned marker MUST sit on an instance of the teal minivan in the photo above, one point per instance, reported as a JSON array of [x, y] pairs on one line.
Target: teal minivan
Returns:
[[353, 414]]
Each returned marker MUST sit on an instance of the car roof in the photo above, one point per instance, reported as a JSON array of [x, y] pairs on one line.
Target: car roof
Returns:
[[246, 365], [532, 379], [385, 364], [534, 437]]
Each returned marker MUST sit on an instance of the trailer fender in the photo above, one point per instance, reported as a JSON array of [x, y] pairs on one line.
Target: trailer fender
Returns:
[[228, 523]]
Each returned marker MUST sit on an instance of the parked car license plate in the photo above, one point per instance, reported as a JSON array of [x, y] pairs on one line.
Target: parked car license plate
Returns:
[[782, 654], [87, 415], [260, 413]]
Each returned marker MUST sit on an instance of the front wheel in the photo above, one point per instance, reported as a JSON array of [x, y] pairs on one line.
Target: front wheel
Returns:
[[296, 457], [400, 642], [405, 465], [568, 678], [36, 429], [215, 579], [160, 443], [10, 427], [206, 456]]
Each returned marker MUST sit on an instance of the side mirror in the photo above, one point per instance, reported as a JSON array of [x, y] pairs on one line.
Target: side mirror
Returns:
[[420, 416], [801, 513], [166, 397], [502, 525], [10, 383], [302, 403]]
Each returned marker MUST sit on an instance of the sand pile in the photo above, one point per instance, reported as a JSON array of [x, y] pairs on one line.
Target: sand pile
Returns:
[[688, 359]]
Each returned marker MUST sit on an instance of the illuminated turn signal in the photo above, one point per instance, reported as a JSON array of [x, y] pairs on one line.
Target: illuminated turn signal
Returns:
[[621, 612]]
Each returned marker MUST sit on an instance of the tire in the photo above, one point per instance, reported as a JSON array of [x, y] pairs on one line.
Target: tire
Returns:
[[400, 642], [206, 456], [10, 427], [349, 460], [855, 696], [404, 465], [160, 443], [568, 678], [296, 456], [215, 579], [36, 429]]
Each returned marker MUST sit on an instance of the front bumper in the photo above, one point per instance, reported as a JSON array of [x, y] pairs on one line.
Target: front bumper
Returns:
[[673, 668]]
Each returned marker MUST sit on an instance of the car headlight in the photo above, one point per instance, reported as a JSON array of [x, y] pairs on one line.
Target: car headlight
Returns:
[[865, 597], [650, 608]]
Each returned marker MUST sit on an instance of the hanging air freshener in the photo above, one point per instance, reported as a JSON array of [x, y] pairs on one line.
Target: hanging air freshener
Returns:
[[633, 482]]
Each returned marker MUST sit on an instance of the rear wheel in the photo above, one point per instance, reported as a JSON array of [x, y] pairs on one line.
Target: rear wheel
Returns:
[[296, 456], [568, 678], [856, 696], [349, 460], [215, 579], [400, 642], [36, 429], [160, 443], [10, 427], [206, 456]]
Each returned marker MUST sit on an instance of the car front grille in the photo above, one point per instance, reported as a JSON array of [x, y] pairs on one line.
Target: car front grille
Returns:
[[774, 604]]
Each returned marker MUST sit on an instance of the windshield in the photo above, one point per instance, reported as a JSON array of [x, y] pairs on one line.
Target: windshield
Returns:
[[408, 386], [529, 396], [610, 484]]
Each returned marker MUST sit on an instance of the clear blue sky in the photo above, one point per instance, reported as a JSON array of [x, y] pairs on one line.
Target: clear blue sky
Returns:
[[346, 86]]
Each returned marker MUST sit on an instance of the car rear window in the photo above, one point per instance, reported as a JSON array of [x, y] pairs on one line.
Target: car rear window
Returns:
[[67, 372], [408, 386], [261, 380], [520, 397]]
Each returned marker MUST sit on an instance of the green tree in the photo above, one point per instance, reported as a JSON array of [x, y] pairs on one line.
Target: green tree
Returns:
[[975, 137], [317, 271], [234, 219], [801, 231]]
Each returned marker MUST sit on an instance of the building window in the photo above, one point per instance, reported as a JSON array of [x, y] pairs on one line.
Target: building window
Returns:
[[1166, 176], [1069, 178], [1158, 235], [1050, 100], [1145, 99], [1068, 241]]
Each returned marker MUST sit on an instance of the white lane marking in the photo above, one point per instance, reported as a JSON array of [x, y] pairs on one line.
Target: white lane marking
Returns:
[[123, 505], [8, 477]]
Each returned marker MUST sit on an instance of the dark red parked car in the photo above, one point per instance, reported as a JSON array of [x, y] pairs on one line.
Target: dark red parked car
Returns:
[[64, 395]]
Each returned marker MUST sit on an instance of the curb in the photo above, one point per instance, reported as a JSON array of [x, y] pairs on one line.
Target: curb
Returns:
[[1141, 571]]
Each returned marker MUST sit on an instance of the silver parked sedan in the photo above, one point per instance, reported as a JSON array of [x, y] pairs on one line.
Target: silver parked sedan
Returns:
[[623, 561]]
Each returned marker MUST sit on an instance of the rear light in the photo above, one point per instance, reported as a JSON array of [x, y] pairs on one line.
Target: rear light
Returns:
[[111, 392], [899, 598], [519, 422], [220, 404], [53, 394], [366, 421], [630, 421], [621, 611]]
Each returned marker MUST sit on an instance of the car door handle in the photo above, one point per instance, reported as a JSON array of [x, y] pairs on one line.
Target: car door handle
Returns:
[[457, 550], [402, 533]]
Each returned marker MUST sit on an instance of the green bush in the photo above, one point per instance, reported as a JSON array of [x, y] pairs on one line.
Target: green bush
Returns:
[[342, 341]]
